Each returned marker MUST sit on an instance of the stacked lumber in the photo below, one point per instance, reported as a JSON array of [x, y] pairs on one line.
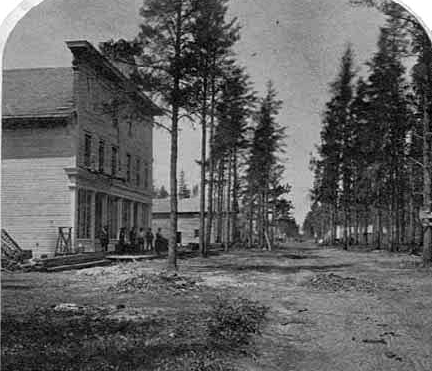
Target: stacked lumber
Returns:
[[75, 261]]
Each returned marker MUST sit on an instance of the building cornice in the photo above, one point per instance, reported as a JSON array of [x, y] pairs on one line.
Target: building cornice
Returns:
[[82, 48]]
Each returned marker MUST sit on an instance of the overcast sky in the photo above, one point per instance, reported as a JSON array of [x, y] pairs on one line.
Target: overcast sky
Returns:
[[295, 43]]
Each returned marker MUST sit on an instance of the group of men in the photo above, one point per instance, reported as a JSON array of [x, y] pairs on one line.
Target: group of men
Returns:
[[141, 240]]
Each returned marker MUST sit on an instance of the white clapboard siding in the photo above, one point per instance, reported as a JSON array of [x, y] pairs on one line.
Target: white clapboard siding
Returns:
[[35, 201]]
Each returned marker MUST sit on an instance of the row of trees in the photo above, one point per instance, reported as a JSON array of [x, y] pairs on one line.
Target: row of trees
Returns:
[[374, 158], [183, 56], [183, 189]]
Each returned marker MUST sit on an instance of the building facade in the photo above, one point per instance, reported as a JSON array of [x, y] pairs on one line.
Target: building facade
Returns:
[[76, 153]]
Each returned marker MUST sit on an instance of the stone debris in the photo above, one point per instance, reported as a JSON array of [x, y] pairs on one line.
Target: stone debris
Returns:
[[334, 282], [156, 283]]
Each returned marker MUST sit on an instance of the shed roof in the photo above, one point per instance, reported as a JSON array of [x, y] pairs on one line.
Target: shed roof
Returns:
[[37, 92]]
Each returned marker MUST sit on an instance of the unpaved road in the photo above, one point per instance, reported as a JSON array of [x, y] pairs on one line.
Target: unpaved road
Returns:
[[387, 326]]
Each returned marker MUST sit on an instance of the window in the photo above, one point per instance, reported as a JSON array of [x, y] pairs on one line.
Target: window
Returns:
[[128, 167], [146, 176], [126, 214], [101, 155], [130, 128], [112, 213], [114, 161], [137, 172], [89, 91], [87, 150], [196, 233], [84, 213]]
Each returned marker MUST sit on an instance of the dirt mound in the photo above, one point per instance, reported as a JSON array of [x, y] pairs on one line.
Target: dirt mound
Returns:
[[334, 282], [157, 282]]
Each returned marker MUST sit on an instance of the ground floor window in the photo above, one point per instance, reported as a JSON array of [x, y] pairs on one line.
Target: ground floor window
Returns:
[[126, 215], [112, 212], [99, 199], [145, 216], [84, 213]]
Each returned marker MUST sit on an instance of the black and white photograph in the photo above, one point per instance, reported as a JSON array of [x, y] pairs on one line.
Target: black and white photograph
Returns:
[[216, 185]]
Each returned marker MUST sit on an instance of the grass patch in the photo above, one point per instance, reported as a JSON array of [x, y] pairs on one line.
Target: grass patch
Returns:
[[206, 340]]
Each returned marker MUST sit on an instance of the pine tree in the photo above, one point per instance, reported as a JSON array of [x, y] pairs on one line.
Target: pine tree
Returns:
[[389, 107], [233, 110], [183, 190], [266, 144], [213, 36], [160, 54]]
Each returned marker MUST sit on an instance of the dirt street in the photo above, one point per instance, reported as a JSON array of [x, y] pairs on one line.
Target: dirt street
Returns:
[[329, 309]]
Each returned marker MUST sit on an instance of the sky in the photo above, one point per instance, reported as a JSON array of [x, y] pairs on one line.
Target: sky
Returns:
[[296, 44]]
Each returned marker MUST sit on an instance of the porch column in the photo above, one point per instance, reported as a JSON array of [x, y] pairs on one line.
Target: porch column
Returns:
[[92, 218], [73, 214]]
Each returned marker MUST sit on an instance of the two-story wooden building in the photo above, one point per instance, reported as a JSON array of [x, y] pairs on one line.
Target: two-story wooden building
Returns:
[[76, 152]]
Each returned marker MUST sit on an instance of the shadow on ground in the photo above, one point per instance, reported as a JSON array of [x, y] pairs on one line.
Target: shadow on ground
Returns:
[[275, 268]]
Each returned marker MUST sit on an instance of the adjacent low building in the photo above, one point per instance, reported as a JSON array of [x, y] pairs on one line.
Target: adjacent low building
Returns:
[[76, 153], [188, 220]]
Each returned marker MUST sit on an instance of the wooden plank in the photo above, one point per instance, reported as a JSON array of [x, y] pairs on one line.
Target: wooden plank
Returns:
[[96, 263], [132, 257]]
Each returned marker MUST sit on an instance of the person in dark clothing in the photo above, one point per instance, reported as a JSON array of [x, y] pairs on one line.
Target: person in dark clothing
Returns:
[[141, 238], [159, 241], [104, 238], [149, 240], [132, 238]]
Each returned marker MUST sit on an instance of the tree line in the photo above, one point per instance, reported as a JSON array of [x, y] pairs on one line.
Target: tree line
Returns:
[[183, 56], [372, 172]]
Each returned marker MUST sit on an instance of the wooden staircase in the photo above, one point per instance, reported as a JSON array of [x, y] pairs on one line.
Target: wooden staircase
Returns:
[[11, 252]]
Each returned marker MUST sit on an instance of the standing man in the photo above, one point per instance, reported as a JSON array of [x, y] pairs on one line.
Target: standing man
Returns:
[[141, 237], [132, 238], [149, 240], [159, 241]]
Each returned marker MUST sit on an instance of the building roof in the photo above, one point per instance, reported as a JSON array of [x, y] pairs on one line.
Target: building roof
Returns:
[[185, 205], [37, 92], [48, 92]]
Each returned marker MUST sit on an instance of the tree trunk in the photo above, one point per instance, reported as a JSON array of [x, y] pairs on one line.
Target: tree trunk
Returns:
[[345, 228], [356, 226], [219, 226], [209, 225], [202, 246], [333, 227], [235, 206], [379, 229], [172, 243], [228, 204], [411, 216], [366, 226], [251, 217], [427, 235]]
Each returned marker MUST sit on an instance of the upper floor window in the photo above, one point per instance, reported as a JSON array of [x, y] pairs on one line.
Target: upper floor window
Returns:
[[146, 176], [130, 128], [137, 172], [87, 150], [101, 155], [128, 167], [90, 92], [114, 160]]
